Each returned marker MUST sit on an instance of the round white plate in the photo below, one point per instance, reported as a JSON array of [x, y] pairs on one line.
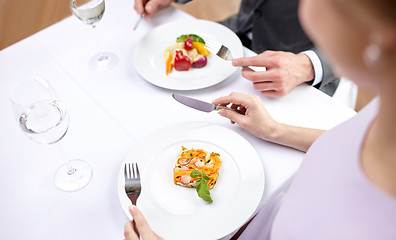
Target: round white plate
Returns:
[[149, 63], [176, 212]]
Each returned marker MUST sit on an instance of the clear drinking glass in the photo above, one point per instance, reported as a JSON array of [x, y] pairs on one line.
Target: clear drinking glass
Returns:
[[44, 119], [90, 12]]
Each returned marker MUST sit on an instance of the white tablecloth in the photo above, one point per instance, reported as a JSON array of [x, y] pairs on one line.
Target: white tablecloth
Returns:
[[110, 112]]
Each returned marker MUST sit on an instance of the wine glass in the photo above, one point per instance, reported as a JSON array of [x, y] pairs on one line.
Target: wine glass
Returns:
[[44, 119], [90, 12]]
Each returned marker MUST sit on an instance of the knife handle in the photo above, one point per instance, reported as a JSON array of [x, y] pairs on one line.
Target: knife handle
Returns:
[[218, 107]]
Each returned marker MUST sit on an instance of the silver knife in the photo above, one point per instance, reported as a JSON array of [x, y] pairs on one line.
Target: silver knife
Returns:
[[141, 17], [197, 104], [138, 21]]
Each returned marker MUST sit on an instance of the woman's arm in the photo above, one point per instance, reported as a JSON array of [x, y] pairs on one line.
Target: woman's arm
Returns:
[[250, 113], [296, 137]]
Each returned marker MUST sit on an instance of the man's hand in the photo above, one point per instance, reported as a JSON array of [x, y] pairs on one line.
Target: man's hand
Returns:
[[150, 8], [284, 72]]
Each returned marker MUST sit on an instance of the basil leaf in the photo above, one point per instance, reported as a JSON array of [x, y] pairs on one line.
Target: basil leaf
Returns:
[[195, 173], [194, 37], [182, 38], [203, 190], [205, 176]]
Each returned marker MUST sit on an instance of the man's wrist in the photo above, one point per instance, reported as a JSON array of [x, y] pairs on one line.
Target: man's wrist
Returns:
[[306, 68], [316, 65]]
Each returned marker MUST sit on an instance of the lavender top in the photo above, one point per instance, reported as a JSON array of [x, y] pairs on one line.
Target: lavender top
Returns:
[[330, 196]]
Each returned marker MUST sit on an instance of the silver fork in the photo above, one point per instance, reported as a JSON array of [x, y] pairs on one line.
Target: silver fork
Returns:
[[132, 181], [221, 51]]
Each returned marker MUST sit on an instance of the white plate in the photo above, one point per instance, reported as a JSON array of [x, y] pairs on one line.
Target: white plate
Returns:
[[176, 212], [149, 63]]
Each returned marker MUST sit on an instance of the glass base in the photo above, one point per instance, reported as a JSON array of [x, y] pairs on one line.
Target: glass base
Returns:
[[73, 175], [103, 61]]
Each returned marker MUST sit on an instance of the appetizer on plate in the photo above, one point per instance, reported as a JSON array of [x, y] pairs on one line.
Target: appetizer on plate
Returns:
[[197, 168], [187, 52]]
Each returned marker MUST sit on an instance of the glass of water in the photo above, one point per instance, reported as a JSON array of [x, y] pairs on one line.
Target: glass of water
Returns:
[[90, 12], [44, 119]]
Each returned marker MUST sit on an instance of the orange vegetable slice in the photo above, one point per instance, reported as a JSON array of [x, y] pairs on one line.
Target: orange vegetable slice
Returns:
[[169, 64]]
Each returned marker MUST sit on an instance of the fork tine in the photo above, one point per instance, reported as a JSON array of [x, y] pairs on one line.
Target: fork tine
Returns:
[[212, 46], [126, 171], [137, 171], [212, 43], [209, 49], [209, 46], [132, 169]]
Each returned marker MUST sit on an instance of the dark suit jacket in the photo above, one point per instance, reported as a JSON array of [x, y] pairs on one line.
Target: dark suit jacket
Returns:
[[275, 26]]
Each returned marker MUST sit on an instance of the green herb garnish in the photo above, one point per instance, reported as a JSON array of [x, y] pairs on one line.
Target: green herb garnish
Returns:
[[194, 37], [202, 185]]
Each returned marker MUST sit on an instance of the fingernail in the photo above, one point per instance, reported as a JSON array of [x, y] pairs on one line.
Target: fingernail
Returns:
[[235, 63], [132, 208], [148, 8], [221, 112]]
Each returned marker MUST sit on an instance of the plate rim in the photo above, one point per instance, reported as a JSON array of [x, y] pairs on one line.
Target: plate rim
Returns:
[[261, 188]]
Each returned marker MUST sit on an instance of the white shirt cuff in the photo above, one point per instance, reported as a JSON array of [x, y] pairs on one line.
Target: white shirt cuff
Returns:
[[317, 65]]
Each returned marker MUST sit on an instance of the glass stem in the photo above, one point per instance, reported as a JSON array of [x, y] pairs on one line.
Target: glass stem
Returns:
[[98, 45], [71, 170], [102, 57]]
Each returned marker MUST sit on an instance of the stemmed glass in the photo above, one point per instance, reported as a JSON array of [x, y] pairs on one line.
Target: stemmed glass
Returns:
[[44, 119], [90, 12]]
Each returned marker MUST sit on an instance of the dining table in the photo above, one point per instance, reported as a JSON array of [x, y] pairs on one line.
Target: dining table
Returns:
[[111, 112]]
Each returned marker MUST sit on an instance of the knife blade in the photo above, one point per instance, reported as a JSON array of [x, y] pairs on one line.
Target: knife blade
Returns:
[[196, 104]]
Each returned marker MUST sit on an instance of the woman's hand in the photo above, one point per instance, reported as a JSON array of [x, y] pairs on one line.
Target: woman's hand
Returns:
[[142, 227], [150, 8], [249, 113]]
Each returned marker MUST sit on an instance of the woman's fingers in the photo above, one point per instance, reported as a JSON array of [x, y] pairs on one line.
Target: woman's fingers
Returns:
[[235, 98], [141, 224], [232, 115], [129, 232]]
